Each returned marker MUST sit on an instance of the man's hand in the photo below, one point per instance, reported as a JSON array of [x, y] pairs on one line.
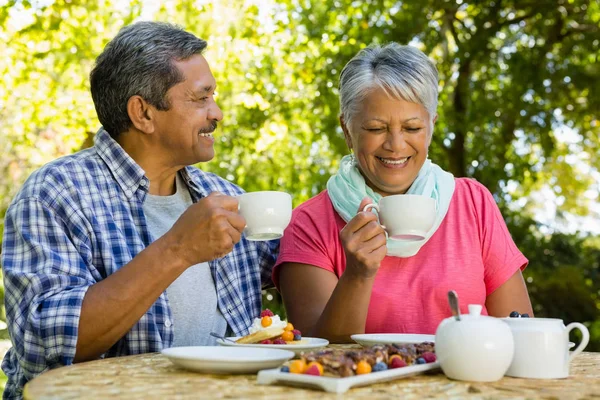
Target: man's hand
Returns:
[[364, 243], [208, 229]]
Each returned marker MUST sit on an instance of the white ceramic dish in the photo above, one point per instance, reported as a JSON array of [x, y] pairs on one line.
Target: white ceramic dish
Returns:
[[340, 385], [308, 343], [226, 360], [369, 339]]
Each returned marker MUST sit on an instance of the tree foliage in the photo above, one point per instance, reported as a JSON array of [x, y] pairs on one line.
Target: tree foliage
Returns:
[[519, 95]]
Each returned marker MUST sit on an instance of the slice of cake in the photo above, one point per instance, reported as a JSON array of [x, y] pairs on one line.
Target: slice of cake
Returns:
[[270, 329]]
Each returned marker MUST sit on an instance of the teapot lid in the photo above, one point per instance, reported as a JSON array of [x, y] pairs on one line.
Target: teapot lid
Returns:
[[475, 309]]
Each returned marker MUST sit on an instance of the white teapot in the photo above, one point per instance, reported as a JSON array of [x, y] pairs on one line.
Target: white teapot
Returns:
[[542, 347], [474, 347]]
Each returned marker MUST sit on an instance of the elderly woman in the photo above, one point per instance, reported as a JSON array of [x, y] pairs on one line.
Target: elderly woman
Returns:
[[337, 272]]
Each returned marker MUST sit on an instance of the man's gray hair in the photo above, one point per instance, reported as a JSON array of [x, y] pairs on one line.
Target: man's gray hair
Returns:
[[403, 72], [139, 61]]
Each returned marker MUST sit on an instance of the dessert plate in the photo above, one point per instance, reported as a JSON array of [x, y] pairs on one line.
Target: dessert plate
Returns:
[[369, 339], [340, 385], [306, 344], [226, 360]]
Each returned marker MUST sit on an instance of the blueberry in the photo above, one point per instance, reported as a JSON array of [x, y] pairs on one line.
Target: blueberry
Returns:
[[285, 368], [515, 314], [421, 360], [297, 337], [525, 315], [380, 366]]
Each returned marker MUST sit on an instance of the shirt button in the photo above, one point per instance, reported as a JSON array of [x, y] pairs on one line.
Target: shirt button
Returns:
[[168, 323]]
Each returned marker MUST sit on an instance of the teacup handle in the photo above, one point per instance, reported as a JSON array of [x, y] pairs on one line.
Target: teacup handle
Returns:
[[238, 198], [368, 207], [585, 338]]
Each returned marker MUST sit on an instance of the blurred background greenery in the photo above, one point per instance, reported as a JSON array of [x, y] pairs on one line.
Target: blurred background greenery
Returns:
[[519, 101]]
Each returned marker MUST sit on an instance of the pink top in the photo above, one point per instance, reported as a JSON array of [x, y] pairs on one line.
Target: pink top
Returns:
[[471, 252]]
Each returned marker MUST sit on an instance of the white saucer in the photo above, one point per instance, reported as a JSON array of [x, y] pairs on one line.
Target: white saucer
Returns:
[[307, 343], [369, 339], [226, 360]]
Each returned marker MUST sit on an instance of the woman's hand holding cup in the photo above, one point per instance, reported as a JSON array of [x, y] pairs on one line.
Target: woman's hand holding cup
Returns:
[[364, 241]]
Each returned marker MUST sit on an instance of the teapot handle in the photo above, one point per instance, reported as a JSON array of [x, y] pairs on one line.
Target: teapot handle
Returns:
[[585, 338]]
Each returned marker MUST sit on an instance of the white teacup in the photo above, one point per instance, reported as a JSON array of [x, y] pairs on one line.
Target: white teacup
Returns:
[[542, 347], [406, 217], [267, 214]]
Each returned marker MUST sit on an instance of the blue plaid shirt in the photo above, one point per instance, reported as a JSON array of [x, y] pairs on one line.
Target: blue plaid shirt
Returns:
[[76, 221]]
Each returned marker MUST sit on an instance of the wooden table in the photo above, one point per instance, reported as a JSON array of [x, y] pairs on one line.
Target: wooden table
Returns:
[[153, 376]]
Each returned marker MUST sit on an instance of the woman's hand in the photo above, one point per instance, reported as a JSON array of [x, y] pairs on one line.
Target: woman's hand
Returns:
[[364, 243]]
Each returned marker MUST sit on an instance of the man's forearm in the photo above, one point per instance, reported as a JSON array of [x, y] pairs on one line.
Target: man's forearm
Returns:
[[111, 307]]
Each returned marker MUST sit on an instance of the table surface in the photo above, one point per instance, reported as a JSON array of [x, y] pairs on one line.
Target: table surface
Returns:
[[152, 375]]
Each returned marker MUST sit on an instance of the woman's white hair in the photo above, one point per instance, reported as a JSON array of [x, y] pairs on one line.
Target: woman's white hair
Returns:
[[403, 72]]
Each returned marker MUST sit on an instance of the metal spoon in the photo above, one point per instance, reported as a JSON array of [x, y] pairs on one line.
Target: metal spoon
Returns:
[[453, 300], [222, 337]]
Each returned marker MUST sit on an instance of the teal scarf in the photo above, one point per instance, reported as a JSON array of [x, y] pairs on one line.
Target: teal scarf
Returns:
[[347, 188]]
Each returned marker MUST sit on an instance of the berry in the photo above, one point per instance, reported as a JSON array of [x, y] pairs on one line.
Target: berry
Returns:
[[380, 366], [314, 364], [421, 360], [397, 362], [297, 337], [514, 314], [289, 327], [288, 336], [313, 370], [298, 366], [279, 341], [525, 315], [296, 332], [429, 357], [285, 368], [362, 368], [267, 313], [266, 321], [266, 341]]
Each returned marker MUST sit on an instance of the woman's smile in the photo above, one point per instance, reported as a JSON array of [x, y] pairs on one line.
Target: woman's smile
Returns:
[[393, 163]]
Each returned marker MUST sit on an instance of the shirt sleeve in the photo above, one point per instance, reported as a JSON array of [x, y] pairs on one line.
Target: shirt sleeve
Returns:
[[46, 278], [501, 257], [306, 241]]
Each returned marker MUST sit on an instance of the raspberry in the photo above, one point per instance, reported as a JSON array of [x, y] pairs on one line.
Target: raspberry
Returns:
[[380, 366], [429, 357], [297, 337], [313, 370], [296, 332], [397, 362], [267, 313], [421, 360], [279, 341], [266, 341]]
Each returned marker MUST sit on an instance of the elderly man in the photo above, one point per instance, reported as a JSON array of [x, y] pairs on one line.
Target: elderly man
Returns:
[[124, 248]]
